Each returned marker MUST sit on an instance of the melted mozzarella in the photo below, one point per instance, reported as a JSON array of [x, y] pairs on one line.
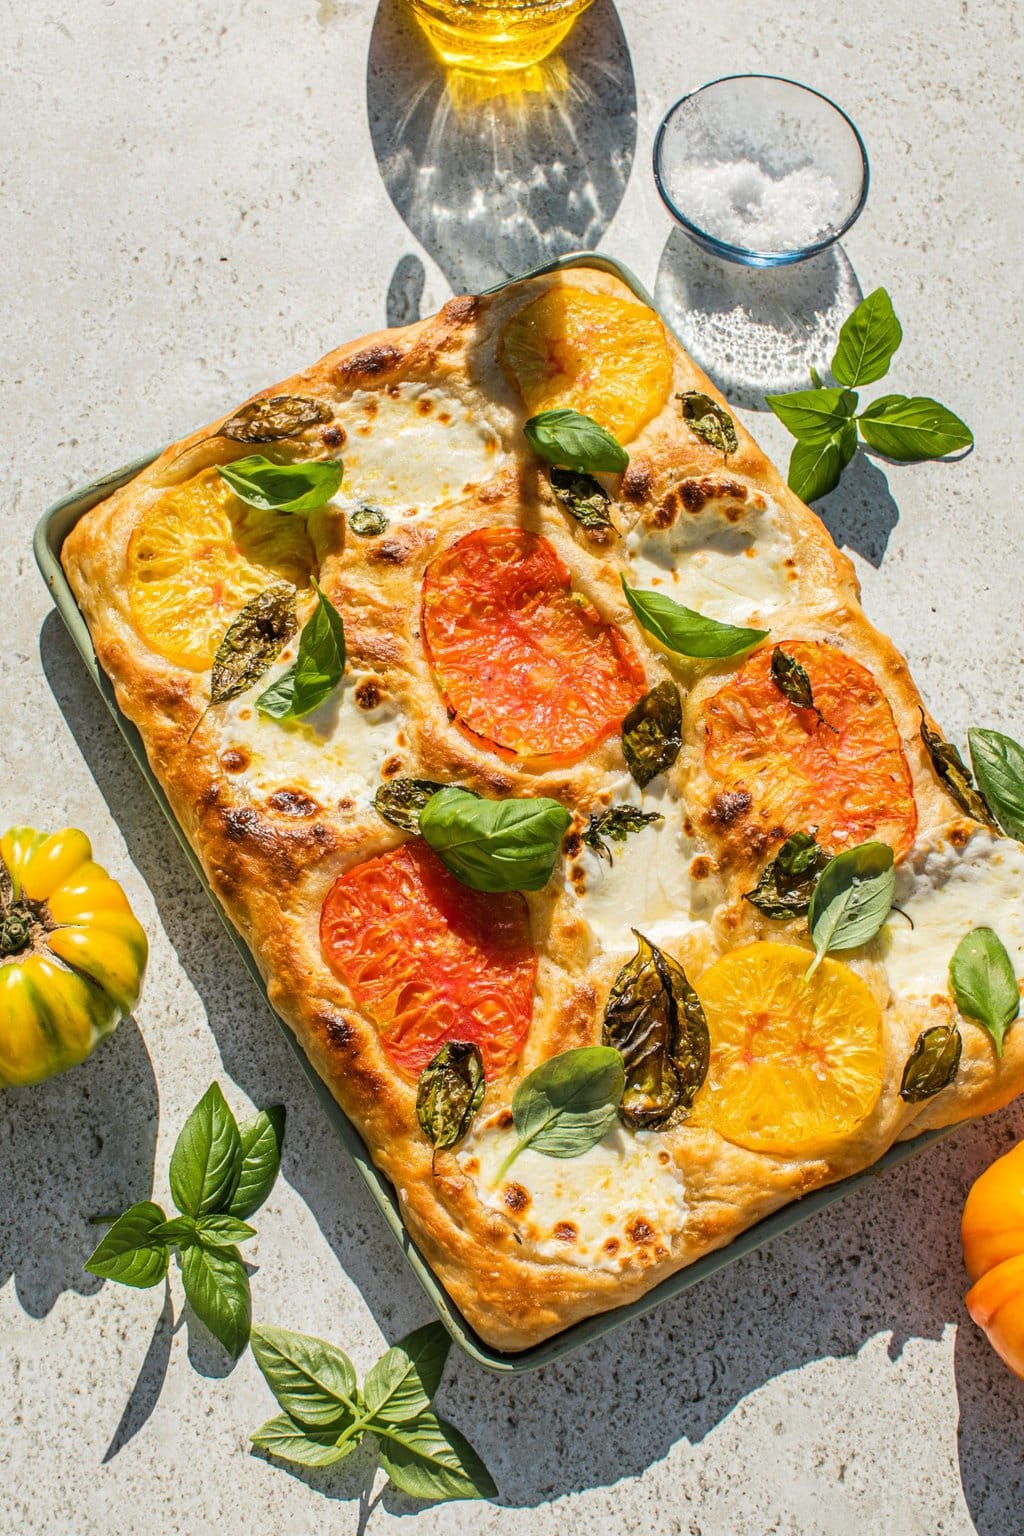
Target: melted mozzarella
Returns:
[[946, 892], [620, 1201], [727, 570], [414, 449]]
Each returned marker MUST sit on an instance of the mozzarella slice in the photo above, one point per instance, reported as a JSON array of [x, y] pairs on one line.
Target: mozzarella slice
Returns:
[[410, 449], [946, 892]]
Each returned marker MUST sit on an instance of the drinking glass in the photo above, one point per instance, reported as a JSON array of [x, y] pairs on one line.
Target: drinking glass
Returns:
[[493, 36]]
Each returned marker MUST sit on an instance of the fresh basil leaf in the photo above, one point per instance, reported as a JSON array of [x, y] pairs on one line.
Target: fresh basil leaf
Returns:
[[852, 899], [207, 1157], [400, 801], [787, 883], [998, 763], [868, 341], [652, 733], [271, 487], [932, 1064], [313, 1381], [815, 468], [617, 822], [564, 1107], [450, 1091], [303, 1444], [253, 640], [399, 1387], [130, 1253], [954, 775], [709, 421], [495, 845], [223, 1231], [262, 1139], [655, 1019], [814, 415], [576, 441], [684, 631], [583, 497], [368, 522], [983, 983], [316, 671], [273, 420], [179, 1230], [217, 1288], [429, 1459], [909, 429]]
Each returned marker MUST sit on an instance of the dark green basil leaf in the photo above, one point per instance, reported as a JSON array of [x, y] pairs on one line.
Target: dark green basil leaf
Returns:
[[316, 671], [954, 775], [868, 341], [983, 983], [217, 1288], [998, 763], [262, 1139], [451, 1090], [815, 415], [709, 420], [400, 801], [852, 899], [654, 1017], [313, 1381], [791, 679], [283, 487], [909, 429], [583, 497], [932, 1064], [617, 822], [684, 631], [130, 1253], [399, 1387], [253, 640], [273, 420], [652, 733], [223, 1231], [564, 1107], [576, 441], [368, 522], [304, 1444], [207, 1157], [815, 468], [429, 1459], [787, 883], [495, 845]]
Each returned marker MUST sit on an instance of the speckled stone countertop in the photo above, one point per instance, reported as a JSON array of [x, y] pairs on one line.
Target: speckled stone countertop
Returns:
[[197, 199]]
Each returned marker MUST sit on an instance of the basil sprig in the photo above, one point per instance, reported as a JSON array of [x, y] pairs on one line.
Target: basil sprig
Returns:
[[220, 1172], [271, 487], [851, 901], [998, 763], [684, 631], [495, 845], [317, 670], [325, 1414], [983, 983], [567, 1104], [576, 441], [617, 822]]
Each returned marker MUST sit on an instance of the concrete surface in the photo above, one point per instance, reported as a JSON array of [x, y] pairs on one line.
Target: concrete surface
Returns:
[[195, 200]]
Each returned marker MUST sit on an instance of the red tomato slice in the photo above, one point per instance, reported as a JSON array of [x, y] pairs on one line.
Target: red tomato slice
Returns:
[[780, 767], [431, 960], [521, 659]]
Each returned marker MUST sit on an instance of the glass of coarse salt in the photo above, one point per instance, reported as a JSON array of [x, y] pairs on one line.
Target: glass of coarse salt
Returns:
[[760, 170]]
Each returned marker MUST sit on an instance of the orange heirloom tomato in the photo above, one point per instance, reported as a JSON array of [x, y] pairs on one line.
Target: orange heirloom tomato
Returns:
[[993, 1237]]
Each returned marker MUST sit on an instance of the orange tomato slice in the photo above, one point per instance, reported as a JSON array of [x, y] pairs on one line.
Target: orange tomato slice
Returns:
[[781, 768], [431, 960], [523, 661]]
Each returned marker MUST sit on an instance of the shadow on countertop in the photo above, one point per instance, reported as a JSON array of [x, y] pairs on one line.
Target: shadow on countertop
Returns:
[[885, 1261]]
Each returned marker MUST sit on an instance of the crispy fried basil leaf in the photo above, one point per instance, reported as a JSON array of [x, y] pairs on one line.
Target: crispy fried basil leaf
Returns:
[[852, 899], [583, 497], [401, 800], [710, 422], [984, 983], [998, 763], [253, 641], [791, 679], [652, 733], [955, 776], [451, 1090], [654, 1017], [577, 441], [270, 421], [616, 822], [259, 482], [368, 522], [932, 1064], [787, 883]]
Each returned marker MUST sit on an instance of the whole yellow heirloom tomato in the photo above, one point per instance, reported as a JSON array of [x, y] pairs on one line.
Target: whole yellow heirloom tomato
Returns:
[[993, 1237], [72, 954]]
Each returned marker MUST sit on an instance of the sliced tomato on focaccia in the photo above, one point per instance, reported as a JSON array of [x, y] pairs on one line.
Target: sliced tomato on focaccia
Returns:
[[431, 960], [779, 768], [522, 661]]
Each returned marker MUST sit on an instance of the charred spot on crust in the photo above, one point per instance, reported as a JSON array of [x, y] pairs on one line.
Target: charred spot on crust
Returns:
[[701, 867], [696, 493], [234, 760], [390, 552], [460, 309], [333, 436], [565, 1231], [729, 807], [961, 834], [391, 768], [339, 1030], [371, 363], [424, 405], [636, 484], [611, 1245], [292, 802], [516, 1197], [368, 693], [664, 1158], [346, 805], [503, 1120], [639, 1231], [573, 845]]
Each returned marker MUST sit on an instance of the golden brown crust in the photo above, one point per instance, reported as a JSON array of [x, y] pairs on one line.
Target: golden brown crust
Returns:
[[274, 835]]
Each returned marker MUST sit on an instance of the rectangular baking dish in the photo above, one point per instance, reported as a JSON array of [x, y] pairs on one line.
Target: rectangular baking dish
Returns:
[[51, 531]]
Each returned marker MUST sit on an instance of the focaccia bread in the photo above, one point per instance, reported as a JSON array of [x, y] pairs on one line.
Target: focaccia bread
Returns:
[[490, 646]]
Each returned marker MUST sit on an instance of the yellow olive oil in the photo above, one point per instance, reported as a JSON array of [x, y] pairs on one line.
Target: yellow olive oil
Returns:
[[493, 35]]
